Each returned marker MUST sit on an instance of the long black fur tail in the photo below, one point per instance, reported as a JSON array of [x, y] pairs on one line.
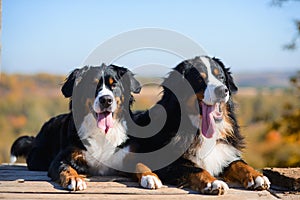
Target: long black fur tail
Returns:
[[21, 147]]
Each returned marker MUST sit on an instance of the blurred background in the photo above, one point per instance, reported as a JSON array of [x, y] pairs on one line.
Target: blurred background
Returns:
[[42, 41]]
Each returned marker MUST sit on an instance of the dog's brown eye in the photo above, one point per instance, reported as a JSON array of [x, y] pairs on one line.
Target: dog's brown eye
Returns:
[[221, 77], [113, 85]]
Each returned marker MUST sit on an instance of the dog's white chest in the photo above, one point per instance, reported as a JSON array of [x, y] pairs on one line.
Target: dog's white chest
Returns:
[[102, 154], [214, 158]]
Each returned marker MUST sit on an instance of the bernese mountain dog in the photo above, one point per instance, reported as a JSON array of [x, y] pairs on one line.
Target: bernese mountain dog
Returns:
[[92, 139], [201, 125]]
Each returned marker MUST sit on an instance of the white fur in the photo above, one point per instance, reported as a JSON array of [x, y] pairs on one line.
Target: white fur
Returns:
[[150, 182], [101, 147], [13, 159], [219, 157], [195, 119], [77, 184], [215, 185], [211, 155], [261, 182]]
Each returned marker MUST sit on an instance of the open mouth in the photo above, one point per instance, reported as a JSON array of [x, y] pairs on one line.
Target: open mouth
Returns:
[[211, 114], [105, 121]]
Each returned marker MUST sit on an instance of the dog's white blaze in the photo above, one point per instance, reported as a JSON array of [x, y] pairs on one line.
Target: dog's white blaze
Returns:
[[209, 94], [211, 78], [101, 147]]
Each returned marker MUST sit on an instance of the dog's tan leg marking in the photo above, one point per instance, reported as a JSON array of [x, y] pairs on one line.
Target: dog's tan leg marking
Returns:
[[247, 176], [146, 178]]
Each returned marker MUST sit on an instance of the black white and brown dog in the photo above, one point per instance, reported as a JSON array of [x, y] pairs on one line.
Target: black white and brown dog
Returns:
[[92, 139], [201, 122]]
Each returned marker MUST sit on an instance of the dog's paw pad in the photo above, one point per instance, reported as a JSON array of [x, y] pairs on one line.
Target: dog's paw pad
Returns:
[[77, 184], [150, 182], [216, 187]]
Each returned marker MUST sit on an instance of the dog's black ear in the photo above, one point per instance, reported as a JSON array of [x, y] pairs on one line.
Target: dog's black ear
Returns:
[[229, 79], [67, 88], [135, 86], [184, 68]]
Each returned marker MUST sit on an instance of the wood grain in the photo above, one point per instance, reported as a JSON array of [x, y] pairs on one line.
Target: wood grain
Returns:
[[16, 182]]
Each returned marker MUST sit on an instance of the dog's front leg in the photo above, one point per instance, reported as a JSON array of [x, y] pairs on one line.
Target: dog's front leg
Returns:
[[206, 184], [65, 169], [146, 178], [239, 171]]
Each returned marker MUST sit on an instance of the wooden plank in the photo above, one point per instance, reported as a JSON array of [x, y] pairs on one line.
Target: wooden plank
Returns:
[[37, 185], [92, 189], [101, 196], [232, 195]]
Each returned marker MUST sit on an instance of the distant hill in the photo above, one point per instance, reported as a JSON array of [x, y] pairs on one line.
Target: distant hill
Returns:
[[252, 79], [263, 79]]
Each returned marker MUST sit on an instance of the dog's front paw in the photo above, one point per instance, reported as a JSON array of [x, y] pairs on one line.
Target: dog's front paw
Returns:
[[150, 182], [216, 187], [70, 180], [76, 183], [259, 183]]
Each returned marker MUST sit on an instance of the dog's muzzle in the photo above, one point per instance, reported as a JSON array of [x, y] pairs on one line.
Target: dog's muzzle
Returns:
[[105, 101], [215, 94]]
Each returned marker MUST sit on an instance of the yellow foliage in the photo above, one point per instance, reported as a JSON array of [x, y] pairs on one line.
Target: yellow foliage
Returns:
[[17, 121]]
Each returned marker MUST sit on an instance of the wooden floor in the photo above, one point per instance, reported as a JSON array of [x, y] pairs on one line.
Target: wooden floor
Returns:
[[17, 182]]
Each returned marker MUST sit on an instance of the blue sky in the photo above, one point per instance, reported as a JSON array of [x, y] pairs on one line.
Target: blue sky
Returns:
[[56, 36]]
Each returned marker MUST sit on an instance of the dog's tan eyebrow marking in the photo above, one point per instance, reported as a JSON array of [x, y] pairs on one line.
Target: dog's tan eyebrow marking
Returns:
[[110, 81], [203, 74], [96, 80], [216, 71]]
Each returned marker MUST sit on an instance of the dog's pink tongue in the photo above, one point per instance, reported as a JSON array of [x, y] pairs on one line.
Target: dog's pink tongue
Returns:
[[207, 125], [105, 121]]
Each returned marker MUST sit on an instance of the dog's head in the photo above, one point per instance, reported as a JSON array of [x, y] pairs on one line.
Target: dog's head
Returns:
[[212, 86], [104, 90]]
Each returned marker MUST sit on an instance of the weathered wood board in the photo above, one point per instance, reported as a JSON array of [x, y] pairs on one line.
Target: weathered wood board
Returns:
[[16, 182]]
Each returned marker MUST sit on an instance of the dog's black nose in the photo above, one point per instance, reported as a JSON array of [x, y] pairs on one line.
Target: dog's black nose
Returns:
[[221, 91], [106, 101]]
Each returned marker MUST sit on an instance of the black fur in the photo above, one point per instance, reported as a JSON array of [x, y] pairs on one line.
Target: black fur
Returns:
[[22, 146], [54, 147], [178, 171]]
